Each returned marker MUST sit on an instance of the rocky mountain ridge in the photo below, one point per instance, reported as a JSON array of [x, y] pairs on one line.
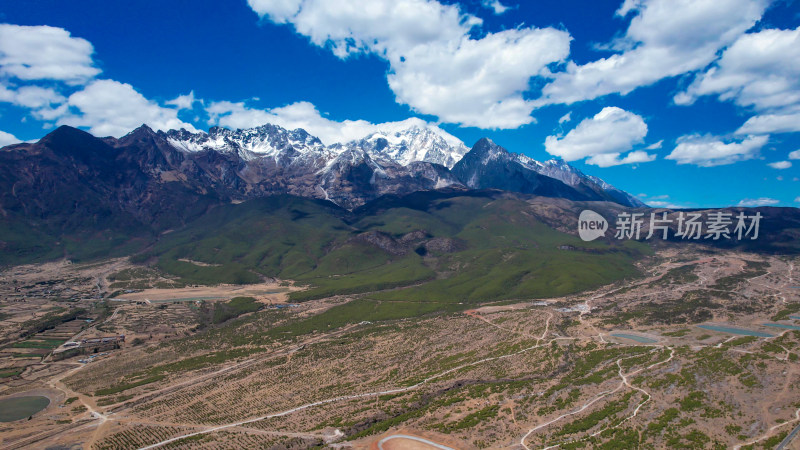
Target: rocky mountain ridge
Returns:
[[72, 180]]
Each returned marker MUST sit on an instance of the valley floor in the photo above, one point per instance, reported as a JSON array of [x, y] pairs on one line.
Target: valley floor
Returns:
[[700, 352]]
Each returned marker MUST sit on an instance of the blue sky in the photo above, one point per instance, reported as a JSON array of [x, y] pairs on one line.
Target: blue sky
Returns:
[[686, 102]]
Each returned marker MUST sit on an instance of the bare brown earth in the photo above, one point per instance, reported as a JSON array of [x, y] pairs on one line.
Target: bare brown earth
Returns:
[[264, 292], [532, 374]]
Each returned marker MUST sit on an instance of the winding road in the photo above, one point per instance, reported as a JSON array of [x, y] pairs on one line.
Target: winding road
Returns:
[[412, 438], [363, 395], [623, 384]]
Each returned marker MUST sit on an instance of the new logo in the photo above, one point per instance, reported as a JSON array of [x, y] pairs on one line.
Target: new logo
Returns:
[[591, 225]]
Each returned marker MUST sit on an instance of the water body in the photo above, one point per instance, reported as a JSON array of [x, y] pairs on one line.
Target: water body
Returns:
[[781, 325], [17, 408], [795, 317], [731, 330], [634, 337]]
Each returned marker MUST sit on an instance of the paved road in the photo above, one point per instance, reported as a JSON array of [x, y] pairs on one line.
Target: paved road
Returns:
[[412, 438], [788, 438]]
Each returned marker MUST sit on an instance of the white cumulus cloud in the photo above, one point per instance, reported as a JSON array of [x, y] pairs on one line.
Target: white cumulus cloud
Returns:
[[38, 64], [613, 159], [655, 145], [662, 204], [435, 66], [708, 151], [45, 53], [183, 101], [7, 139], [495, 6], [780, 165], [44, 103], [794, 155], [753, 202], [602, 139], [760, 71], [111, 108], [666, 38], [306, 116], [31, 96], [771, 123]]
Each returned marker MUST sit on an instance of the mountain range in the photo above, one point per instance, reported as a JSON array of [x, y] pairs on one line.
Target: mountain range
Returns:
[[267, 160], [70, 182], [396, 162], [75, 195]]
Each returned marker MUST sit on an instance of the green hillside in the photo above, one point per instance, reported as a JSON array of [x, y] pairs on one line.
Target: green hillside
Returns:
[[494, 248]]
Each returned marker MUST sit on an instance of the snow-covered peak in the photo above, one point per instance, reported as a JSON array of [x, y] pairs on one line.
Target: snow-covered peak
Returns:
[[414, 123], [264, 141], [486, 150], [601, 183], [403, 142], [424, 143], [528, 162], [395, 144], [561, 170]]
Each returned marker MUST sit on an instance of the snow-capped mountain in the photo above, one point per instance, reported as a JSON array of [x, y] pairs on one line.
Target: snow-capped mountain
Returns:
[[388, 161], [561, 170], [270, 159], [488, 165], [155, 168], [355, 176], [267, 141], [413, 144]]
